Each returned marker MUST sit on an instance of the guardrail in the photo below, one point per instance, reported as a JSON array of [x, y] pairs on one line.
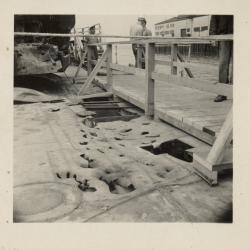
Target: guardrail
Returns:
[[207, 164]]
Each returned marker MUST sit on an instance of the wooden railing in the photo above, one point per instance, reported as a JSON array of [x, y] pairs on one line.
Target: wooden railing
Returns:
[[207, 163]]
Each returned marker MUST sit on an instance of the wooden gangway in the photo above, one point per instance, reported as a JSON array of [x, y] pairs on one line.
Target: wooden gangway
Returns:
[[184, 102]]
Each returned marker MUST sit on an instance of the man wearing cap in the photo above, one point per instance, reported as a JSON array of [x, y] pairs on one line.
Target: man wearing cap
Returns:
[[136, 30]]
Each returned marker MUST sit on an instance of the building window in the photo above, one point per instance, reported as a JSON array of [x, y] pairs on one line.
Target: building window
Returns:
[[196, 29], [156, 33], [203, 28], [188, 30]]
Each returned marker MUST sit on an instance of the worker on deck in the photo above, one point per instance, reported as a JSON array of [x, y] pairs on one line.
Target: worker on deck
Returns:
[[136, 30], [221, 25], [93, 49]]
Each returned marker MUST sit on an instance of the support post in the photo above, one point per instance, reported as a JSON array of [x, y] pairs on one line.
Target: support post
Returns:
[[150, 65], [89, 58], [189, 52], [109, 70], [224, 138], [93, 73], [174, 49], [80, 65]]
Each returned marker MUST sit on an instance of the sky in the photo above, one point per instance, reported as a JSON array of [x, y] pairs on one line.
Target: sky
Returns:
[[117, 24]]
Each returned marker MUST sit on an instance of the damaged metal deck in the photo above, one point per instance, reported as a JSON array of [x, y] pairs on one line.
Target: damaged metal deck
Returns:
[[126, 170], [65, 171]]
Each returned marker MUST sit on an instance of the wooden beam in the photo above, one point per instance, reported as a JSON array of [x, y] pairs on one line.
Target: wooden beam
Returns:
[[209, 176], [161, 113], [93, 72], [80, 65], [130, 70], [188, 71], [150, 86], [108, 67], [174, 49], [163, 62], [224, 137], [208, 38], [202, 85], [202, 66]]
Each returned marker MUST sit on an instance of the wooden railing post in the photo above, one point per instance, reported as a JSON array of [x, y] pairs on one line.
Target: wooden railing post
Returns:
[[108, 66], [223, 139], [89, 58], [174, 49], [150, 65]]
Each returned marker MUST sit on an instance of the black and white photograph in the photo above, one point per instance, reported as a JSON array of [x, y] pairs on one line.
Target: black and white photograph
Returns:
[[123, 118]]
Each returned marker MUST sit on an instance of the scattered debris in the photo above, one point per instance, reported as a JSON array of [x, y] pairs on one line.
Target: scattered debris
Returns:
[[54, 109], [125, 130]]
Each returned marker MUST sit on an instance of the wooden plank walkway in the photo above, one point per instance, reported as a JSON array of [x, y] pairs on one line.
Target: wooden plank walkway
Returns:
[[191, 110]]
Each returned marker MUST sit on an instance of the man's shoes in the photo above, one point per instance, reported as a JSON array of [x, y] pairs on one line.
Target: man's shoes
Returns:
[[220, 98]]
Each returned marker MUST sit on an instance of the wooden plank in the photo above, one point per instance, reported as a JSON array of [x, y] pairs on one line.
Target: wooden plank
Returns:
[[213, 37], [202, 152], [202, 85], [150, 85], [185, 127], [209, 176], [109, 69], [212, 130], [188, 71], [80, 65], [136, 100], [193, 65], [130, 70], [215, 156], [115, 118], [163, 62], [93, 73], [174, 49]]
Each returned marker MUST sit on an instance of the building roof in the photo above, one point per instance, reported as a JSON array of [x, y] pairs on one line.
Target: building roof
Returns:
[[179, 18]]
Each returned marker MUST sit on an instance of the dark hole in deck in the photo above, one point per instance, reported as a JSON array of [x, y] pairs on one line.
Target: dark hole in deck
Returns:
[[116, 187], [108, 110], [175, 148]]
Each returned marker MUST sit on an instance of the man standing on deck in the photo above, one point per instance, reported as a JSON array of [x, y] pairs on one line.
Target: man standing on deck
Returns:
[[94, 51], [136, 30], [221, 25]]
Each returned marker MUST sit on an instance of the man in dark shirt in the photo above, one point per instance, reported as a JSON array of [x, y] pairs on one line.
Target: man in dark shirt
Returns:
[[221, 25]]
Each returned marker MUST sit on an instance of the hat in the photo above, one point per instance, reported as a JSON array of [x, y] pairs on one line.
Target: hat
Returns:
[[141, 18]]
